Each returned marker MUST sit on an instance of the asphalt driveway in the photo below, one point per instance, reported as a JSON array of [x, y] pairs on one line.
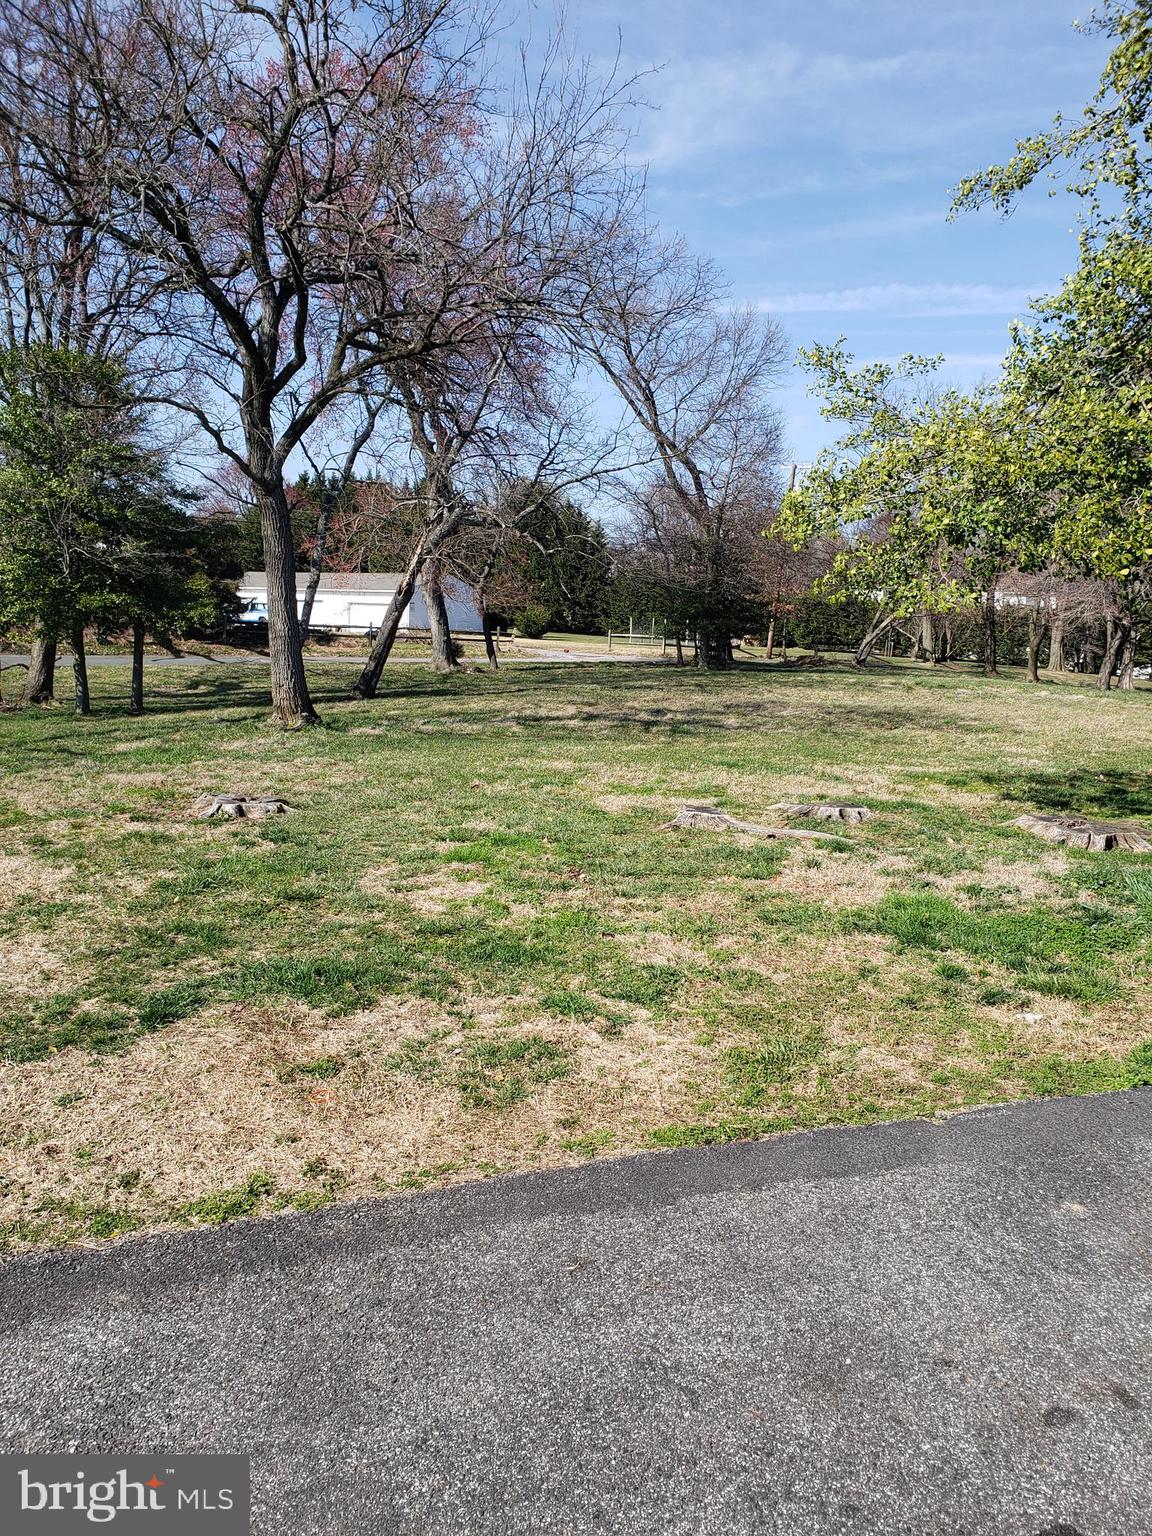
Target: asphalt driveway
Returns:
[[912, 1328]]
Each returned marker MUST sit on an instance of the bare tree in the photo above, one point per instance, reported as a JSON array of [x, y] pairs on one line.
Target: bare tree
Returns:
[[334, 483], [790, 573], [444, 658], [667, 572], [482, 423], [478, 395], [282, 175], [695, 378]]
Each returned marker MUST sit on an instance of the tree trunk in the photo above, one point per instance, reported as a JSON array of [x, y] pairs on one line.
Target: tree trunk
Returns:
[[1127, 661], [1035, 635], [315, 563], [443, 649], [430, 541], [40, 684], [712, 651], [1056, 659], [80, 671], [1117, 639], [879, 627], [369, 679], [771, 646], [490, 650], [679, 650], [991, 668], [136, 706], [291, 703], [925, 649]]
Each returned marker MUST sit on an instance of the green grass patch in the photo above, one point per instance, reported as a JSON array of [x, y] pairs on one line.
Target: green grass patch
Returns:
[[319, 1070], [1060, 1075], [496, 1074], [742, 991], [332, 982], [65, 1021], [1052, 952], [229, 1204]]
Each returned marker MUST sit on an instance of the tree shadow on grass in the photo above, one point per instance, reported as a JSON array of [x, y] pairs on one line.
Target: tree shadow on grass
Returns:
[[613, 695], [1081, 792], [538, 697]]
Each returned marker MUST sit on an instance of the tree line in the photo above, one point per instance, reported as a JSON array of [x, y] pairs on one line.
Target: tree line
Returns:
[[344, 253], [339, 235], [1035, 490]]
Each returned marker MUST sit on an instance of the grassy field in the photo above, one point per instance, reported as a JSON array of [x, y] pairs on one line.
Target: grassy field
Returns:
[[474, 949]]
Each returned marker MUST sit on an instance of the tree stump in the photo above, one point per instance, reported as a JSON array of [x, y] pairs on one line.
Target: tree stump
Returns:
[[240, 807], [1081, 832], [822, 812], [707, 818]]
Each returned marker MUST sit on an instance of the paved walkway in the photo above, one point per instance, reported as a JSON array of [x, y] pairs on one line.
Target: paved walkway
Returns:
[[914, 1328]]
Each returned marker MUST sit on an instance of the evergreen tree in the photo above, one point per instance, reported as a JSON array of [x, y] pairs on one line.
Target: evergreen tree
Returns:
[[92, 531]]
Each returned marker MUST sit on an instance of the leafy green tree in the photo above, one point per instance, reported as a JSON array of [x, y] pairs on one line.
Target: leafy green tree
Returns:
[[929, 489], [1079, 378], [1105, 154], [163, 580]]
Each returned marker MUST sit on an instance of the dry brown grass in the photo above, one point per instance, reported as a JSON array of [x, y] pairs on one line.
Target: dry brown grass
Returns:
[[30, 966], [839, 880], [1014, 880], [24, 877], [212, 1101], [564, 791]]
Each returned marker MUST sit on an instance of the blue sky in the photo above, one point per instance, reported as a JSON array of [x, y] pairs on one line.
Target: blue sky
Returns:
[[811, 145]]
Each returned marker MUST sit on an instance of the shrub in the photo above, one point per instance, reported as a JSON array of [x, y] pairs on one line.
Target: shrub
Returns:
[[532, 621]]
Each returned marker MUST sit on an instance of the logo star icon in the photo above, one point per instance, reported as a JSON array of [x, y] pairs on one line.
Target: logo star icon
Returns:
[[154, 1482]]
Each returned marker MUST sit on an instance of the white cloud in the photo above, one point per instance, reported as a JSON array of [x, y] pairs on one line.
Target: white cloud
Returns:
[[882, 227], [921, 299], [726, 99]]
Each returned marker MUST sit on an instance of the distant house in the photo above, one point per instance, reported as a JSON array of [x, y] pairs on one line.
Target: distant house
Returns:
[[356, 603]]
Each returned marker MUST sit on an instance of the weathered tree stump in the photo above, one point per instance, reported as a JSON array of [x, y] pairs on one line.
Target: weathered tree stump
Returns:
[[1081, 832], [822, 812], [240, 807], [707, 818]]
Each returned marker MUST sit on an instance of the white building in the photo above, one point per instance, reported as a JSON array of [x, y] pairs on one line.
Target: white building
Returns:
[[356, 603]]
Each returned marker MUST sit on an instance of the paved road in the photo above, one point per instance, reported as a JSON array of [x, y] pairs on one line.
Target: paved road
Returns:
[[913, 1328]]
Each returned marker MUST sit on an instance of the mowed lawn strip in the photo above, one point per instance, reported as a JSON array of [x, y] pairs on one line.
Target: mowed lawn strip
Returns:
[[473, 947]]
